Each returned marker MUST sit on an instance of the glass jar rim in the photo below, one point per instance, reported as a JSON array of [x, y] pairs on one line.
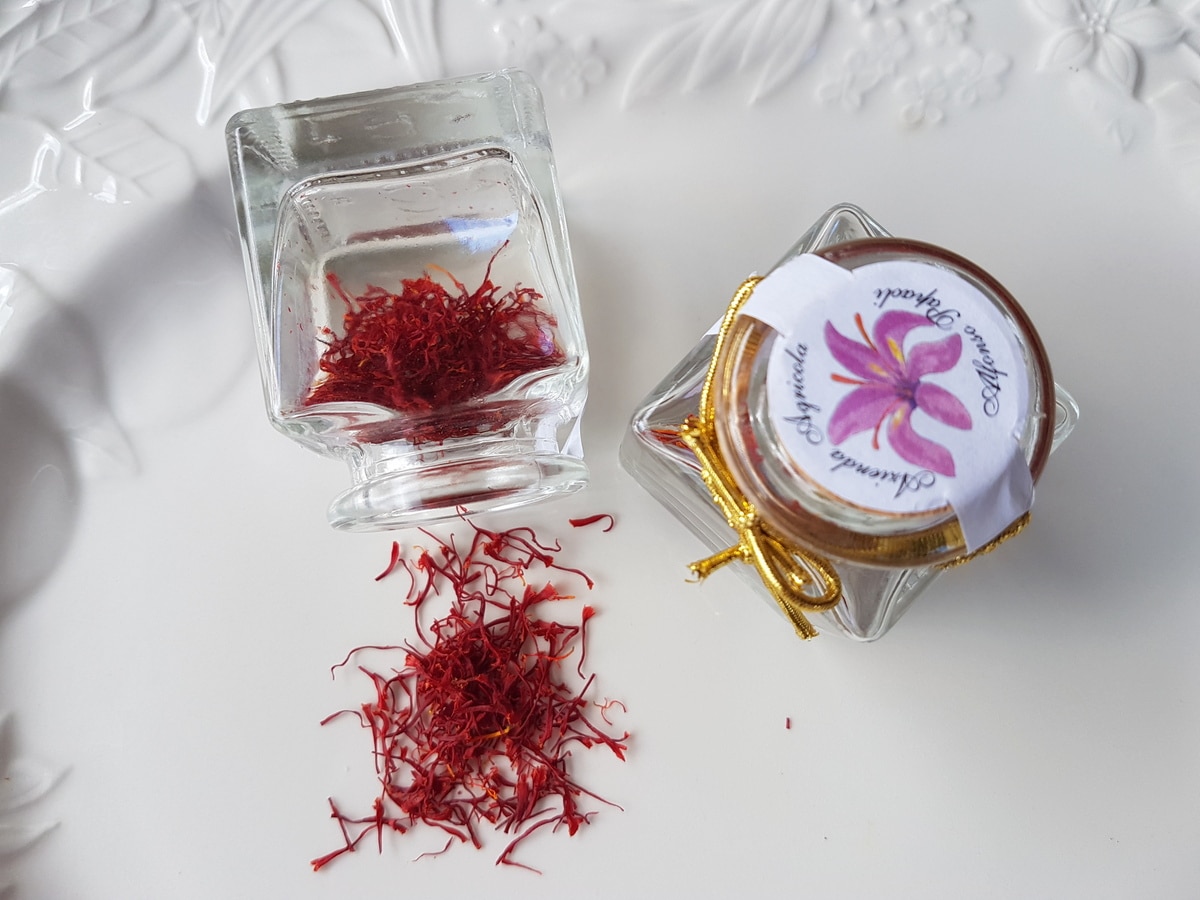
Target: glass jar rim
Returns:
[[811, 517]]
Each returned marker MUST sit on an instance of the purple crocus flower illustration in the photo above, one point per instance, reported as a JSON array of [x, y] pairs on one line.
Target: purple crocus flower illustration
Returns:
[[888, 387]]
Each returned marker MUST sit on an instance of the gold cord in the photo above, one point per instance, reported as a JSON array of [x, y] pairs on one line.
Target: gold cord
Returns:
[[1011, 531], [786, 570]]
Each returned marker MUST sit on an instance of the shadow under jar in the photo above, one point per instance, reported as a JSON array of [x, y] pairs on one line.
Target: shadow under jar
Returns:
[[414, 298], [883, 406]]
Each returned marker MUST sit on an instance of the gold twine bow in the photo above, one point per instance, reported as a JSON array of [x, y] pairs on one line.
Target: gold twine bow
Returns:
[[786, 570]]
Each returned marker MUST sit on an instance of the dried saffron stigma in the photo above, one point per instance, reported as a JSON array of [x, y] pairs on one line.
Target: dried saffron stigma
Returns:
[[478, 724], [592, 520], [391, 563], [432, 348]]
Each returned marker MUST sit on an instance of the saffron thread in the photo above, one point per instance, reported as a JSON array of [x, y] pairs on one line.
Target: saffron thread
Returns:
[[432, 352], [592, 520], [478, 724]]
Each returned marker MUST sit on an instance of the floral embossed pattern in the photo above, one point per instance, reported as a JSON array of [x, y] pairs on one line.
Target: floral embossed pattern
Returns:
[[1108, 36], [922, 62], [918, 58], [1127, 58]]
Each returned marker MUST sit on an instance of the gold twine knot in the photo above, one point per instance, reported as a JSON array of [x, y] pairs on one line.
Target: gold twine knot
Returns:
[[789, 572], [786, 570]]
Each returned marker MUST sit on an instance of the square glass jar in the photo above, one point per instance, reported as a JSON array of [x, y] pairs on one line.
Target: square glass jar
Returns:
[[882, 562], [414, 299]]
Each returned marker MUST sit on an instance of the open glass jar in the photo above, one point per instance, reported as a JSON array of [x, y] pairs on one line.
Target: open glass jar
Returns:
[[870, 412], [414, 299]]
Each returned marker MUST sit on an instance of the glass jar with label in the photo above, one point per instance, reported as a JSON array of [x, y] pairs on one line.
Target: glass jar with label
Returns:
[[872, 411]]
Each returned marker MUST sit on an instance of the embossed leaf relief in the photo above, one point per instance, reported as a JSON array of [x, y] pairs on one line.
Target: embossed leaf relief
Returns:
[[58, 39], [233, 55], [113, 155], [768, 39], [8, 281], [209, 18], [916, 57], [237, 44], [412, 26], [1177, 108], [51, 352], [156, 48], [23, 782]]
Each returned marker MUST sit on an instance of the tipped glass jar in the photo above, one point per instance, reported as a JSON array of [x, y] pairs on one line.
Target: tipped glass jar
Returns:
[[872, 411], [413, 294]]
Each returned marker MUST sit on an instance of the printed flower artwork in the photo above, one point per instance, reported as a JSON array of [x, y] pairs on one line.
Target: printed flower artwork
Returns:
[[889, 387]]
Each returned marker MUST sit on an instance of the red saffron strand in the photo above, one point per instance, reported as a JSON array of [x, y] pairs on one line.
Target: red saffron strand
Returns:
[[478, 724], [609, 704], [588, 612], [523, 552], [449, 843], [429, 348], [670, 437], [592, 520], [333, 669], [391, 565]]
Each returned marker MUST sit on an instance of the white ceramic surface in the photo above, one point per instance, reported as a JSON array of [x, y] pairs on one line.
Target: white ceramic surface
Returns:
[[171, 598]]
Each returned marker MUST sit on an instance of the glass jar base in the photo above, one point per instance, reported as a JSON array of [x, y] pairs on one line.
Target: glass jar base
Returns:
[[434, 493]]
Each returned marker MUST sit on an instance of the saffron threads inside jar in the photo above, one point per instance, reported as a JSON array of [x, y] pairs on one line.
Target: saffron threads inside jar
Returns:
[[432, 348], [479, 723]]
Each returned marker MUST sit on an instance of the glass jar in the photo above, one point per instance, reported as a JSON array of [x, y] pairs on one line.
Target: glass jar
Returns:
[[413, 294], [871, 412]]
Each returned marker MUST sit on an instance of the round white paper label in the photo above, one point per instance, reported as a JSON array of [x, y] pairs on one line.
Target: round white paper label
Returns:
[[898, 387]]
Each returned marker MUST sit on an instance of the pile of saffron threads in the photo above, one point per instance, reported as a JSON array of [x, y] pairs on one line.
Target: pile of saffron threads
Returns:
[[479, 723], [430, 348]]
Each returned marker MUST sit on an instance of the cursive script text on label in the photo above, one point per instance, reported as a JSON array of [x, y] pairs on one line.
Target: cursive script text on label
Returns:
[[905, 481], [928, 303], [989, 375], [803, 418]]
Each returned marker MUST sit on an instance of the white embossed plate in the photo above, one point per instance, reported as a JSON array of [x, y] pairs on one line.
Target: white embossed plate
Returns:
[[172, 599]]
